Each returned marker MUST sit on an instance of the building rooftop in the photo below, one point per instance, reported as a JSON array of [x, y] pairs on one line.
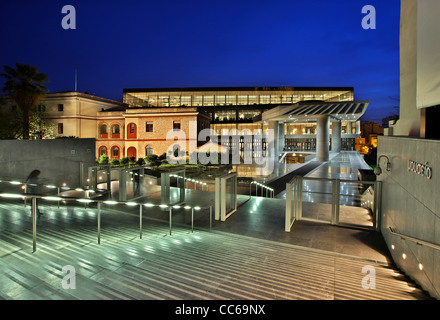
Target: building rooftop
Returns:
[[259, 89]]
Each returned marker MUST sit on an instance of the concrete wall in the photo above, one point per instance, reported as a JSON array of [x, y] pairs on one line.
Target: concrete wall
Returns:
[[58, 159], [411, 205], [409, 123]]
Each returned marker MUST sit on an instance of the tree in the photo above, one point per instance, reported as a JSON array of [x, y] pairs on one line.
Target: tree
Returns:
[[11, 126], [39, 125], [103, 159], [25, 86]]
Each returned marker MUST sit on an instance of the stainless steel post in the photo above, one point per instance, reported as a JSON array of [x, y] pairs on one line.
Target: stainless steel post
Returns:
[[140, 221], [192, 219], [58, 190], [34, 224], [99, 222], [171, 213]]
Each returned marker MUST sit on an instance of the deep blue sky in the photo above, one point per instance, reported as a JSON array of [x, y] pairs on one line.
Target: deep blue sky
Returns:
[[185, 43]]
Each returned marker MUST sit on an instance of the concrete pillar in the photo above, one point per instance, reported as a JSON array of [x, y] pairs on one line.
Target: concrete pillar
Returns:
[[281, 137], [272, 142], [358, 127], [322, 138], [336, 136], [350, 127]]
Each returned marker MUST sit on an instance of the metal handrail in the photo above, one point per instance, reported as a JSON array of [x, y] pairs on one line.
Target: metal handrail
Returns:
[[202, 183], [272, 191], [413, 239]]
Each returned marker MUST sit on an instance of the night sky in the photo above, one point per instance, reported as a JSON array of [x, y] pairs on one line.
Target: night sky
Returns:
[[141, 44]]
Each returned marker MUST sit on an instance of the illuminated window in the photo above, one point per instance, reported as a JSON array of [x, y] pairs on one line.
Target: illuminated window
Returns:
[[175, 101], [264, 99], [242, 100], [186, 101], [220, 100], [164, 101], [208, 100], [198, 101], [231, 100], [253, 100]]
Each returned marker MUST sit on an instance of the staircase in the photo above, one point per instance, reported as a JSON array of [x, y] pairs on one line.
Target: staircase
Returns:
[[203, 265]]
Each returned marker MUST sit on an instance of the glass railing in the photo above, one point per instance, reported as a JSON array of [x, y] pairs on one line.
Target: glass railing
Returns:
[[15, 191], [349, 203]]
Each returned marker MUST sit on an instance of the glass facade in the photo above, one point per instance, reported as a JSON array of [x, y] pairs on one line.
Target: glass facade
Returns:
[[232, 96], [234, 109]]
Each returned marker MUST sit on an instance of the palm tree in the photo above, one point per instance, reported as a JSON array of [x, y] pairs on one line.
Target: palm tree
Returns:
[[25, 86]]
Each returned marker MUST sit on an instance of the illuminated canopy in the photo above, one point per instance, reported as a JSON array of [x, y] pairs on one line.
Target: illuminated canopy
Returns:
[[310, 110]]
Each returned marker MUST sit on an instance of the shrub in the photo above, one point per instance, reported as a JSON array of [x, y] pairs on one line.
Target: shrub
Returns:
[[140, 162], [103, 159], [124, 161], [115, 162], [153, 160], [163, 156]]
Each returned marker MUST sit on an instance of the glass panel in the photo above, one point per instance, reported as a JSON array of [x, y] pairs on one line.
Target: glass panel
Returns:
[[248, 114], [317, 196], [175, 101], [356, 204], [164, 101], [231, 100], [208, 100], [230, 195], [275, 99], [264, 99], [173, 187], [242, 100], [133, 181], [198, 101], [220, 100], [186, 101], [253, 100]]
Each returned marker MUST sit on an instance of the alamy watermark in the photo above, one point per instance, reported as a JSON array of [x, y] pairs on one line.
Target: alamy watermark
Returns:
[[69, 20], [369, 21], [231, 148], [369, 281], [69, 280]]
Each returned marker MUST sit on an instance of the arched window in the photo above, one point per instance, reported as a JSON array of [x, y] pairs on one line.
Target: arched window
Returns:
[[115, 153], [103, 131], [148, 150], [102, 150], [115, 131]]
